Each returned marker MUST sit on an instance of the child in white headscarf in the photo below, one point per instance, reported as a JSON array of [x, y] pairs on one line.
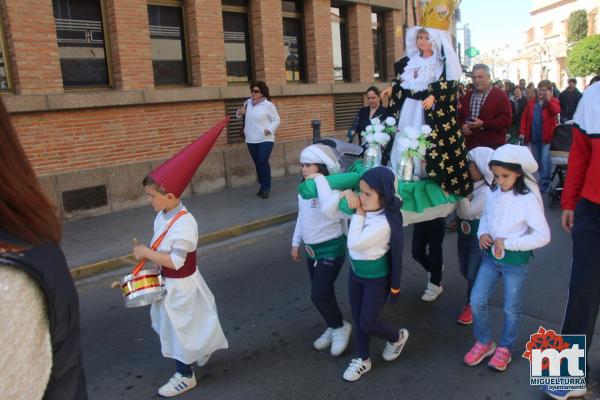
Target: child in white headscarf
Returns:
[[320, 227], [469, 211], [511, 226]]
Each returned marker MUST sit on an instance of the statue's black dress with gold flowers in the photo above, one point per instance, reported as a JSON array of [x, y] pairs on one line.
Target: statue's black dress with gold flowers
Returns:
[[447, 159]]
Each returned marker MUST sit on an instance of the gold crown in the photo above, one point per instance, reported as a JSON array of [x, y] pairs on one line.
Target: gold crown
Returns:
[[438, 14]]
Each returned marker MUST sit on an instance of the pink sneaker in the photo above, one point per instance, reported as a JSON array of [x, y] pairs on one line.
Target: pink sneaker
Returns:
[[466, 317], [478, 352], [501, 359]]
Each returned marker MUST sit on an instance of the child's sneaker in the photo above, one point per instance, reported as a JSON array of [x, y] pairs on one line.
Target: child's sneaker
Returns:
[[478, 352], [432, 292], [466, 317], [324, 341], [562, 394], [391, 351], [501, 359], [340, 338], [177, 384], [356, 368]]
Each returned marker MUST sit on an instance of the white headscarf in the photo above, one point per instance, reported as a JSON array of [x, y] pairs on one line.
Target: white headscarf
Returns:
[[321, 154], [439, 39], [587, 114], [511, 153], [482, 156]]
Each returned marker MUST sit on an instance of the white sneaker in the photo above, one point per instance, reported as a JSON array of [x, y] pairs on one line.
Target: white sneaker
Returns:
[[356, 368], [324, 341], [177, 384], [340, 338], [432, 292], [391, 351]]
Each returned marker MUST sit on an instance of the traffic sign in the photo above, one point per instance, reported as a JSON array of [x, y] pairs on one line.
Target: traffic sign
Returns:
[[471, 52]]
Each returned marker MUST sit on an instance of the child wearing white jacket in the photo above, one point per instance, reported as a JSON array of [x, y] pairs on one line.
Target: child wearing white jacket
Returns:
[[511, 226], [322, 231]]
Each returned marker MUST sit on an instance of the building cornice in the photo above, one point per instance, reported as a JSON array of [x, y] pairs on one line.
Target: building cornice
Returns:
[[551, 6], [119, 98]]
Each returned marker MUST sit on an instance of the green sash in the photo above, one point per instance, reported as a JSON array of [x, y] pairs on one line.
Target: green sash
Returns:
[[512, 257], [370, 269], [468, 227], [328, 249]]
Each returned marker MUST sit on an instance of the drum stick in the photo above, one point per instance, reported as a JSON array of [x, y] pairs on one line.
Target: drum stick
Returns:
[[139, 265]]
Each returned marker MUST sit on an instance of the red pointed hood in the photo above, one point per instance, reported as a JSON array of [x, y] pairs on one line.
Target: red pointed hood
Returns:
[[176, 173]]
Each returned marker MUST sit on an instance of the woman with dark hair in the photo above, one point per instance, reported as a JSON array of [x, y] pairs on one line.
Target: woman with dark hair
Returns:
[[40, 306], [260, 123], [519, 103], [374, 109]]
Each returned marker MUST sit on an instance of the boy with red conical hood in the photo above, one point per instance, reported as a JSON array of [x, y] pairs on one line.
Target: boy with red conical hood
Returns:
[[186, 318]]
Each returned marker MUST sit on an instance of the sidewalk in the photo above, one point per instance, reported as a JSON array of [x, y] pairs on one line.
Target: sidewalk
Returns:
[[101, 243]]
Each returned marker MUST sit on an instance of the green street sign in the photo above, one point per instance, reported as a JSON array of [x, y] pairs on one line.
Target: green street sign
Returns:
[[471, 52]]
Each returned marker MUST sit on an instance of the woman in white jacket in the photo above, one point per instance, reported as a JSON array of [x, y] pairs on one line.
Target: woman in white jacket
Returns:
[[260, 123]]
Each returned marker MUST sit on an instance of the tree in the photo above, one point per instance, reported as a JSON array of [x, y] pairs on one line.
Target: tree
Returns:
[[578, 26], [584, 58]]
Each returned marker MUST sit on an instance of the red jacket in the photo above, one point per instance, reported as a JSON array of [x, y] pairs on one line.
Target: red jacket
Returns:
[[549, 112], [583, 179], [496, 114]]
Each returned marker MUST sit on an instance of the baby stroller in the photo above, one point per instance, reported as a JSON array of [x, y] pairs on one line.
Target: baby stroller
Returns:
[[347, 153], [559, 155]]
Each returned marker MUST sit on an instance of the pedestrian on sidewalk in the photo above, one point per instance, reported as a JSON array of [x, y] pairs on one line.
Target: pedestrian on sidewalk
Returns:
[[569, 99], [519, 103], [469, 212], [485, 114], [319, 226], [581, 217], [261, 120], [185, 318], [375, 245], [39, 305], [511, 226], [537, 128], [364, 115]]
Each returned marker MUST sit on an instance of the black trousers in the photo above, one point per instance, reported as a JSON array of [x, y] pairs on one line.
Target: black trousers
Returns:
[[323, 273], [584, 286], [367, 300], [430, 234]]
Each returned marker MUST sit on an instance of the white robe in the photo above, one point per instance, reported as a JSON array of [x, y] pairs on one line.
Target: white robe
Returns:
[[417, 75], [186, 318]]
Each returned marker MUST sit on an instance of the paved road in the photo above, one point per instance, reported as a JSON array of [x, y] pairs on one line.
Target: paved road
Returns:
[[263, 300]]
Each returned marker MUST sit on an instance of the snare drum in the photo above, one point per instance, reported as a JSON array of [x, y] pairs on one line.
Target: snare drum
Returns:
[[142, 289]]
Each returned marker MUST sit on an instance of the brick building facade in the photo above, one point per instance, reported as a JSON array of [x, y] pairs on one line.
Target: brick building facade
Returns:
[[100, 96]]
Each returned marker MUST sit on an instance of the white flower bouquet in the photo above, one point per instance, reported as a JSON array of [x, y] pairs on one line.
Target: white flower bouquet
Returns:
[[379, 133], [414, 142]]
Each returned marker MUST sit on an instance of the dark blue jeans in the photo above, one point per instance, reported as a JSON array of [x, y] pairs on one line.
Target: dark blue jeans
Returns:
[[541, 153], [427, 238], [260, 153], [367, 299], [323, 273], [469, 259], [584, 286]]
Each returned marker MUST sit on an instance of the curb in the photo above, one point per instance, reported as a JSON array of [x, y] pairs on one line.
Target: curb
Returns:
[[87, 270]]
